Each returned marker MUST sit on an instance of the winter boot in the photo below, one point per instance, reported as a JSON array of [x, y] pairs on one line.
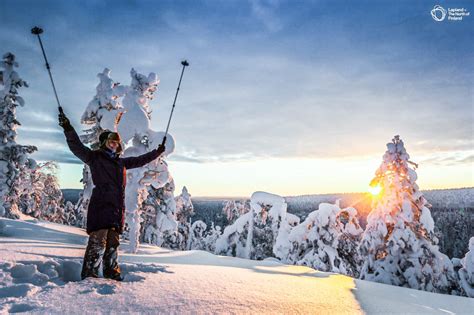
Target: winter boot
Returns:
[[111, 268], [93, 255]]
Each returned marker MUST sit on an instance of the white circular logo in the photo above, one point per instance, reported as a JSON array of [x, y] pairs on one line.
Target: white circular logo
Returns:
[[438, 13]]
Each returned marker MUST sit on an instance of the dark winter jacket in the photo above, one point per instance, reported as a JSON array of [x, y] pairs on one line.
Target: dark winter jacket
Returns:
[[107, 203]]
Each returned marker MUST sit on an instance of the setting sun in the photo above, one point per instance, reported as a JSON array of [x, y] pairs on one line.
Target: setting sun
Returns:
[[375, 190]]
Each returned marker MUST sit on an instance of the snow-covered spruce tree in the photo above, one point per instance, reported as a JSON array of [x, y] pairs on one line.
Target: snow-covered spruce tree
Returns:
[[43, 199], [260, 232], [161, 228], [102, 113], [210, 238], [398, 244], [466, 273], [348, 241], [13, 157], [234, 209], [70, 215], [201, 238], [196, 236], [51, 199], [29, 198], [184, 206], [184, 212], [325, 240]]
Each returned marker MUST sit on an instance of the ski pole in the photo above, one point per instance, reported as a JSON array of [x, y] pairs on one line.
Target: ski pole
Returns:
[[37, 31], [185, 64]]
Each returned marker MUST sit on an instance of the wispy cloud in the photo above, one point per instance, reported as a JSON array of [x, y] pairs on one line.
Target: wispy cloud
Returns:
[[450, 158]]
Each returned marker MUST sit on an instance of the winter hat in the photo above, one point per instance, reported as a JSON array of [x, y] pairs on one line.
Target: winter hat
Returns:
[[113, 136]]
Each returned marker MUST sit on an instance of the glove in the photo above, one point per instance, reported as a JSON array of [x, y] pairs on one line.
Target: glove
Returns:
[[64, 122], [161, 149]]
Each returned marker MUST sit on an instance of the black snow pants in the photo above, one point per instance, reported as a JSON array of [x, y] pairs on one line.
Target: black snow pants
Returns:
[[102, 248]]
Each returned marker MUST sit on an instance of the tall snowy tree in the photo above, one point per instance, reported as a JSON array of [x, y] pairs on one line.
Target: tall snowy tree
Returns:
[[399, 243], [13, 156], [126, 109], [134, 126], [184, 212], [102, 113]]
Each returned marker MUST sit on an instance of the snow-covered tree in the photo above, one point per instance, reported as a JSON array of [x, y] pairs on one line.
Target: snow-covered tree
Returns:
[[258, 233], [71, 215], [233, 239], [43, 199], [125, 109], [466, 273], [163, 228], [84, 196], [13, 156], [102, 113], [325, 240], [398, 244], [210, 238], [202, 238], [348, 241], [196, 235], [184, 212], [234, 209], [184, 206], [134, 125]]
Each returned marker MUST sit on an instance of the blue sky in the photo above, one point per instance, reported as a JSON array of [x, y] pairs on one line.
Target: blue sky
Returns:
[[269, 81]]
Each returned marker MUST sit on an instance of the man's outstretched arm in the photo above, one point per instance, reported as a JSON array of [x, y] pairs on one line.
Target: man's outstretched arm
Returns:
[[73, 141], [139, 161]]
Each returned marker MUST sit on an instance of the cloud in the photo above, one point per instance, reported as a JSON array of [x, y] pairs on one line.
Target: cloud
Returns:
[[321, 88], [450, 158]]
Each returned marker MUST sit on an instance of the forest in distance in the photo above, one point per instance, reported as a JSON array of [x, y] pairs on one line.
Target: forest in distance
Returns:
[[452, 211]]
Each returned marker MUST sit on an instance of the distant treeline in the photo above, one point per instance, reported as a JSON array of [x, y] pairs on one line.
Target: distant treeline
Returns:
[[452, 211]]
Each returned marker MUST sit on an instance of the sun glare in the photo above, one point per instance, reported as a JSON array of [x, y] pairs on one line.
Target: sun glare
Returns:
[[375, 190]]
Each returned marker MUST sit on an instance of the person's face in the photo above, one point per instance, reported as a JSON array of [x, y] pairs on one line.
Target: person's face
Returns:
[[112, 145]]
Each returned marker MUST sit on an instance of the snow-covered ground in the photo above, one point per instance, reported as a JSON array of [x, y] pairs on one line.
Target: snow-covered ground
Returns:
[[40, 265]]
